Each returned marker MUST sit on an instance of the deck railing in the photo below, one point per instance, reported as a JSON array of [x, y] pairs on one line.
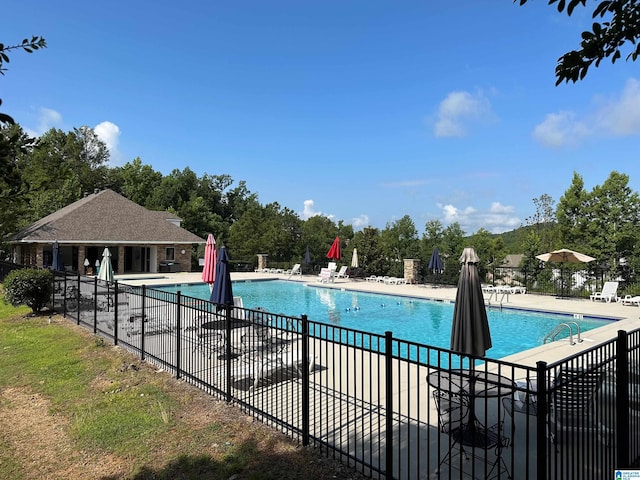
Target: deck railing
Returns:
[[370, 400]]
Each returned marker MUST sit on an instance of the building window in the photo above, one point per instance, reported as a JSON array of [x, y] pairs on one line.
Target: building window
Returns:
[[171, 253]]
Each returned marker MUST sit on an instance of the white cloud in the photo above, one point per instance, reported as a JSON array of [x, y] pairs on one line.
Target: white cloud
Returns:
[[621, 116], [109, 133], [405, 183], [560, 129], [497, 218], [46, 120], [458, 111], [360, 221], [308, 210], [616, 116]]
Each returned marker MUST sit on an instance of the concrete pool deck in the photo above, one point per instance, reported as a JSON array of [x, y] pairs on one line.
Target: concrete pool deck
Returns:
[[418, 428], [626, 317]]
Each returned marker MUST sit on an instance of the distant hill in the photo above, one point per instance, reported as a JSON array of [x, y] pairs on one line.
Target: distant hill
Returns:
[[514, 239]]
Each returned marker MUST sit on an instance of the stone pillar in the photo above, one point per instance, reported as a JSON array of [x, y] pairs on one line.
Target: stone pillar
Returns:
[[120, 266], [262, 261], [411, 270]]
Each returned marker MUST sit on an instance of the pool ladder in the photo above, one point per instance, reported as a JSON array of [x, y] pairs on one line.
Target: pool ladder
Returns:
[[560, 328], [505, 293]]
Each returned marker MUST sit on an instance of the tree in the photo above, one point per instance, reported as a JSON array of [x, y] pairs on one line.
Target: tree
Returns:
[[400, 241], [572, 214], [370, 252], [137, 181], [61, 168], [490, 249], [318, 232], [14, 144], [29, 46], [452, 244], [543, 223], [614, 213], [605, 39], [270, 229]]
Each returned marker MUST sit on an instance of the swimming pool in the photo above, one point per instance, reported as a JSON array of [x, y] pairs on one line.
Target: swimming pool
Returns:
[[418, 320]]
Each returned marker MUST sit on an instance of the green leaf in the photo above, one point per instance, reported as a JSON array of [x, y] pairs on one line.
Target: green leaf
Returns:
[[601, 9], [573, 4]]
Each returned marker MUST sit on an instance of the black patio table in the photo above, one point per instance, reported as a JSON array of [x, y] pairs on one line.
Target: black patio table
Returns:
[[460, 381], [222, 326]]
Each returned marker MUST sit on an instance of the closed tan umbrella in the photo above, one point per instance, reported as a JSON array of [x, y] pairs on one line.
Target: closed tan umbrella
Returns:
[[354, 258]]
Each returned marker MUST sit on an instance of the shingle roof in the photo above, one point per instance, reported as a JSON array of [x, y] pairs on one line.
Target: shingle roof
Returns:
[[106, 217]]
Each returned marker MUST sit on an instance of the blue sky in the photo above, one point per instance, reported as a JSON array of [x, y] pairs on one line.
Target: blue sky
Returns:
[[364, 111]]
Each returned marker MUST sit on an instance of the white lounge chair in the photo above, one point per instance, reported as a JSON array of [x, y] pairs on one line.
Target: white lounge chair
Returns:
[[325, 275], [629, 300], [608, 293], [342, 273], [294, 271], [371, 278], [262, 368], [488, 288]]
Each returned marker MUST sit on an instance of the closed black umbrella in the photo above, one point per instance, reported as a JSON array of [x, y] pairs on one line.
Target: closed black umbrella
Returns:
[[222, 293], [307, 256], [435, 262], [56, 262], [222, 296], [470, 330]]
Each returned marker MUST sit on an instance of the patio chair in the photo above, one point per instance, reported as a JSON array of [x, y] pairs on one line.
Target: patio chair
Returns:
[[326, 275], [468, 435], [572, 398], [631, 300], [257, 338], [294, 271], [608, 293], [266, 366], [208, 342], [343, 272]]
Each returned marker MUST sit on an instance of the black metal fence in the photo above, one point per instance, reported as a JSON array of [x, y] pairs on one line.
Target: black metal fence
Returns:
[[568, 281], [390, 408]]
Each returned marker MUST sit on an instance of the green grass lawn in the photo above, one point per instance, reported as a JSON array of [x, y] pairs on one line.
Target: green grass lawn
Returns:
[[115, 406]]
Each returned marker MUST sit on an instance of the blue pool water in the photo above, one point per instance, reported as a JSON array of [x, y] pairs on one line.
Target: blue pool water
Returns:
[[422, 321]]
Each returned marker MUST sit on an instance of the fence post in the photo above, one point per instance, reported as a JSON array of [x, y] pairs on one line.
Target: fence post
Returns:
[[178, 330], [306, 414], [622, 400], [95, 305], [227, 355], [142, 319], [388, 357], [78, 296], [53, 291], [541, 421], [64, 297], [116, 290]]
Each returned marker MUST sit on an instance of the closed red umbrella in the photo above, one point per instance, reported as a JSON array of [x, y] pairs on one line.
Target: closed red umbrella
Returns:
[[210, 259], [334, 252]]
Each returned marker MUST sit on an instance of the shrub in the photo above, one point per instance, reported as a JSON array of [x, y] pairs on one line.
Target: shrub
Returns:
[[28, 287]]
